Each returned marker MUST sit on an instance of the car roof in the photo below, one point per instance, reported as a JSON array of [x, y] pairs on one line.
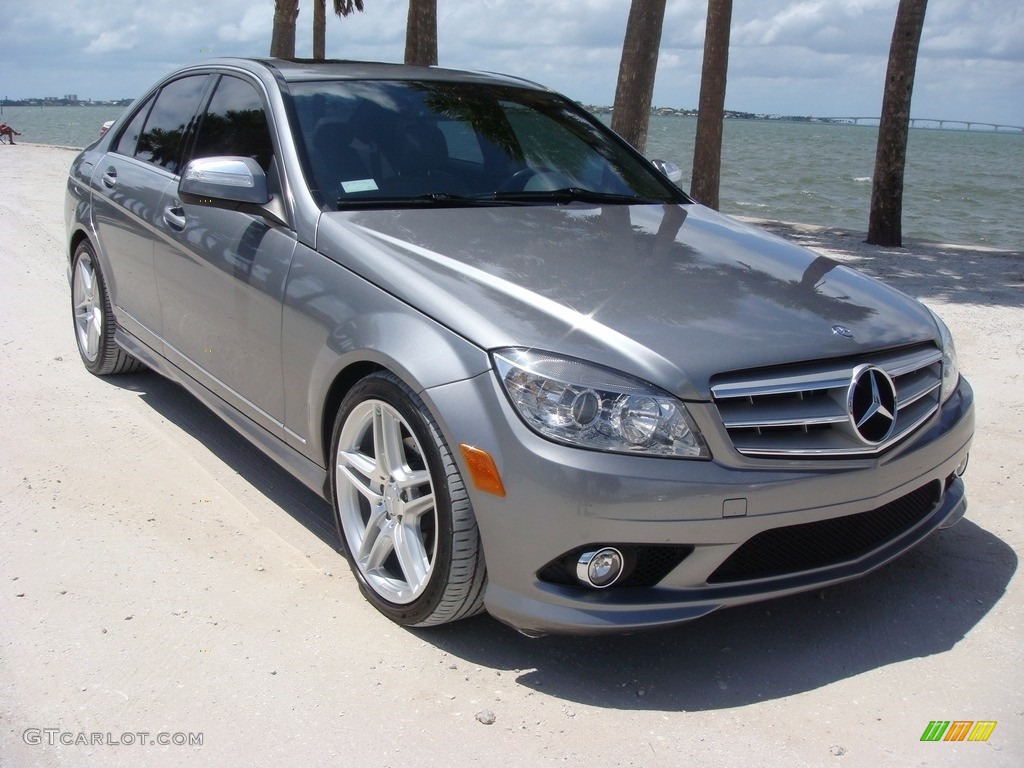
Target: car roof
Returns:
[[307, 70]]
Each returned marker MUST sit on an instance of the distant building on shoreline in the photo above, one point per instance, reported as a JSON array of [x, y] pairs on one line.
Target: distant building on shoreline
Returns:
[[70, 100]]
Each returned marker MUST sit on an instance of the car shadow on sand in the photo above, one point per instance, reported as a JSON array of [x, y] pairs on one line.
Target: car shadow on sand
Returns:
[[182, 409], [920, 605], [937, 271]]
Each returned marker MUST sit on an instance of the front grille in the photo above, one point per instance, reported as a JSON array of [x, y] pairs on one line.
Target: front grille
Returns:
[[795, 548], [803, 411]]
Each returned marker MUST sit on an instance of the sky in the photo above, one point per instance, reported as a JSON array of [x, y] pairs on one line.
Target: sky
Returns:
[[821, 58]]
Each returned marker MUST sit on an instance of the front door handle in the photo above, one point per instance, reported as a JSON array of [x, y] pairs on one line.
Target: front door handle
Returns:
[[174, 215]]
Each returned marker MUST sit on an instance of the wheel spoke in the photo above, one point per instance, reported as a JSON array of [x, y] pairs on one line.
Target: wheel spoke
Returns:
[[387, 442], [361, 472], [413, 509], [378, 543], [412, 557], [411, 479], [93, 331], [87, 280]]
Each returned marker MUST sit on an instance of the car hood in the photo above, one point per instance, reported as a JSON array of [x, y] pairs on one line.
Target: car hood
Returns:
[[670, 293]]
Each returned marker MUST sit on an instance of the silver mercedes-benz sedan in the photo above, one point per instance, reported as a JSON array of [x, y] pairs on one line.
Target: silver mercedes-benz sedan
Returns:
[[529, 373]]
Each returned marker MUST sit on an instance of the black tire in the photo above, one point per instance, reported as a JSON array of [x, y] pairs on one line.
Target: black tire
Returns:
[[93, 317], [404, 519]]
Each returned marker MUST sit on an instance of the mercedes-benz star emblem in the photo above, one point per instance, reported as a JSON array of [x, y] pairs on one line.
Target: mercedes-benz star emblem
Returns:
[[871, 403]]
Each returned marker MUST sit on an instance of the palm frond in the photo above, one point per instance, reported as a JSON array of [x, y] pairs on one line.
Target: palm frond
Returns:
[[345, 7]]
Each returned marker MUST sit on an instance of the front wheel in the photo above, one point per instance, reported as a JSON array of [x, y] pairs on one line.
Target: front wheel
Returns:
[[403, 515], [94, 317]]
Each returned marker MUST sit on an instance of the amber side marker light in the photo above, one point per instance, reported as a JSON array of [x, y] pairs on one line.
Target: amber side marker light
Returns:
[[482, 470]]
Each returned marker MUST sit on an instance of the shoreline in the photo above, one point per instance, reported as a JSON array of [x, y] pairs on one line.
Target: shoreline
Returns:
[[843, 244]]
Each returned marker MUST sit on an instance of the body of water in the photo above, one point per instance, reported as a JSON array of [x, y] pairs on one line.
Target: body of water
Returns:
[[60, 126], [962, 187]]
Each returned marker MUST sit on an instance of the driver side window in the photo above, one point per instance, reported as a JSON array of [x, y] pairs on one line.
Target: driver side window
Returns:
[[235, 123], [168, 123]]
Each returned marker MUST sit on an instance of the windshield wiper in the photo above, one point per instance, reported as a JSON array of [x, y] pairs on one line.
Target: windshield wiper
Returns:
[[450, 200], [439, 199], [571, 194]]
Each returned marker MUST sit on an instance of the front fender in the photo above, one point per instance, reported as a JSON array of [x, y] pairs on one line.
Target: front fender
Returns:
[[334, 323]]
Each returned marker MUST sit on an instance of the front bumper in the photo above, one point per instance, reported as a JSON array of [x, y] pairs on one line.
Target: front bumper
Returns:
[[561, 499]]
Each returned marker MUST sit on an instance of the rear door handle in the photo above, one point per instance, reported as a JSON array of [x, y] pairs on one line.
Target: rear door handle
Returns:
[[109, 178], [174, 215]]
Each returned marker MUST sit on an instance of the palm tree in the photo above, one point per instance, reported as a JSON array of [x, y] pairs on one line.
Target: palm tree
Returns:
[[282, 41], [885, 222], [319, 29], [421, 33], [631, 112], [707, 151], [342, 8]]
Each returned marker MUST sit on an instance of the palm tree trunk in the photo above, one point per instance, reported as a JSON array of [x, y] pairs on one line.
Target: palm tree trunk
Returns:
[[282, 41], [319, 29], [421, 33], [634, 90], [707, 152], [885, 222]]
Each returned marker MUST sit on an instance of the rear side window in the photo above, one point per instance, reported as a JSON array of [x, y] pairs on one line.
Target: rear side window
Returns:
[[235, 123], [168, 122], [129, 139]]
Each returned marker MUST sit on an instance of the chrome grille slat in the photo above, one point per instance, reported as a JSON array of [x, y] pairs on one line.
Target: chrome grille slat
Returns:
[[791, 412], [801, 411], [915, 385]]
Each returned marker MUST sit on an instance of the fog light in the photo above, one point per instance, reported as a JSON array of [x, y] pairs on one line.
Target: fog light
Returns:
[[600, 569], [962, 466]]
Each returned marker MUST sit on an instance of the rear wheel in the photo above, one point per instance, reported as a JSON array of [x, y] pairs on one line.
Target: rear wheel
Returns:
[[94, 317], [402, 511]]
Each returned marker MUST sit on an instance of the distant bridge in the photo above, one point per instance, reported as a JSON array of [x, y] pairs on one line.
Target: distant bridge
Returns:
[[942, 123]]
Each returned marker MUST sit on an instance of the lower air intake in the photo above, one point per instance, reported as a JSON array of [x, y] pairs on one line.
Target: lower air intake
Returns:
[[804, 547]]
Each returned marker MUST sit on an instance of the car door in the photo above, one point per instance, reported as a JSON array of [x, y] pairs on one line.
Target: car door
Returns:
[[221, 273], [127, 186]]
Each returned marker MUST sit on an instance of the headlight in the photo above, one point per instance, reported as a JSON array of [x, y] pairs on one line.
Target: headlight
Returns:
[[574, 402], [950, 367]]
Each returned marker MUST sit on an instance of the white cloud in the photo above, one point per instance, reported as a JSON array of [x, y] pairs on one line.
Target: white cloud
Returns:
[[108, 42], [790, 56], [255, 25]]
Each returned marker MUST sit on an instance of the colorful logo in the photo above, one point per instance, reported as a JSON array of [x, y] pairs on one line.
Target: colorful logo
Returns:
[[958, 730]]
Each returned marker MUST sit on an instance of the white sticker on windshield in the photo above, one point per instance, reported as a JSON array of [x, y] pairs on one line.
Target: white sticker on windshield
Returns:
[[359, 185]]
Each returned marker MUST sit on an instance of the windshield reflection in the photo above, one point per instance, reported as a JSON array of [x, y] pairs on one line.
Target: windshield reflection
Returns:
[[397, 144]]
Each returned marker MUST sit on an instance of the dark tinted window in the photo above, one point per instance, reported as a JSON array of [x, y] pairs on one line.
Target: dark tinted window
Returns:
[[235, 124], [128, 140], [401, 140], [169, 120]]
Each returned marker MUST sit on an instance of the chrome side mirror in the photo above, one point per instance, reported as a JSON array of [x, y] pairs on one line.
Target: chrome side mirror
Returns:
[[671, 170], [235, 179]]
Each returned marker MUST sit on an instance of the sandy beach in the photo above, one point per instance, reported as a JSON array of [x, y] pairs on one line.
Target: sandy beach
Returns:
[[161, 581]]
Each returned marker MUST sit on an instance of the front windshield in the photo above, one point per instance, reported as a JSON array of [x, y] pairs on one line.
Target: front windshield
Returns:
[[383, 143]]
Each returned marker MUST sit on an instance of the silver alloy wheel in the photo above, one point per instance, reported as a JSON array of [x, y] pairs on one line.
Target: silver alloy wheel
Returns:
[[386, 501], [88, 305]]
